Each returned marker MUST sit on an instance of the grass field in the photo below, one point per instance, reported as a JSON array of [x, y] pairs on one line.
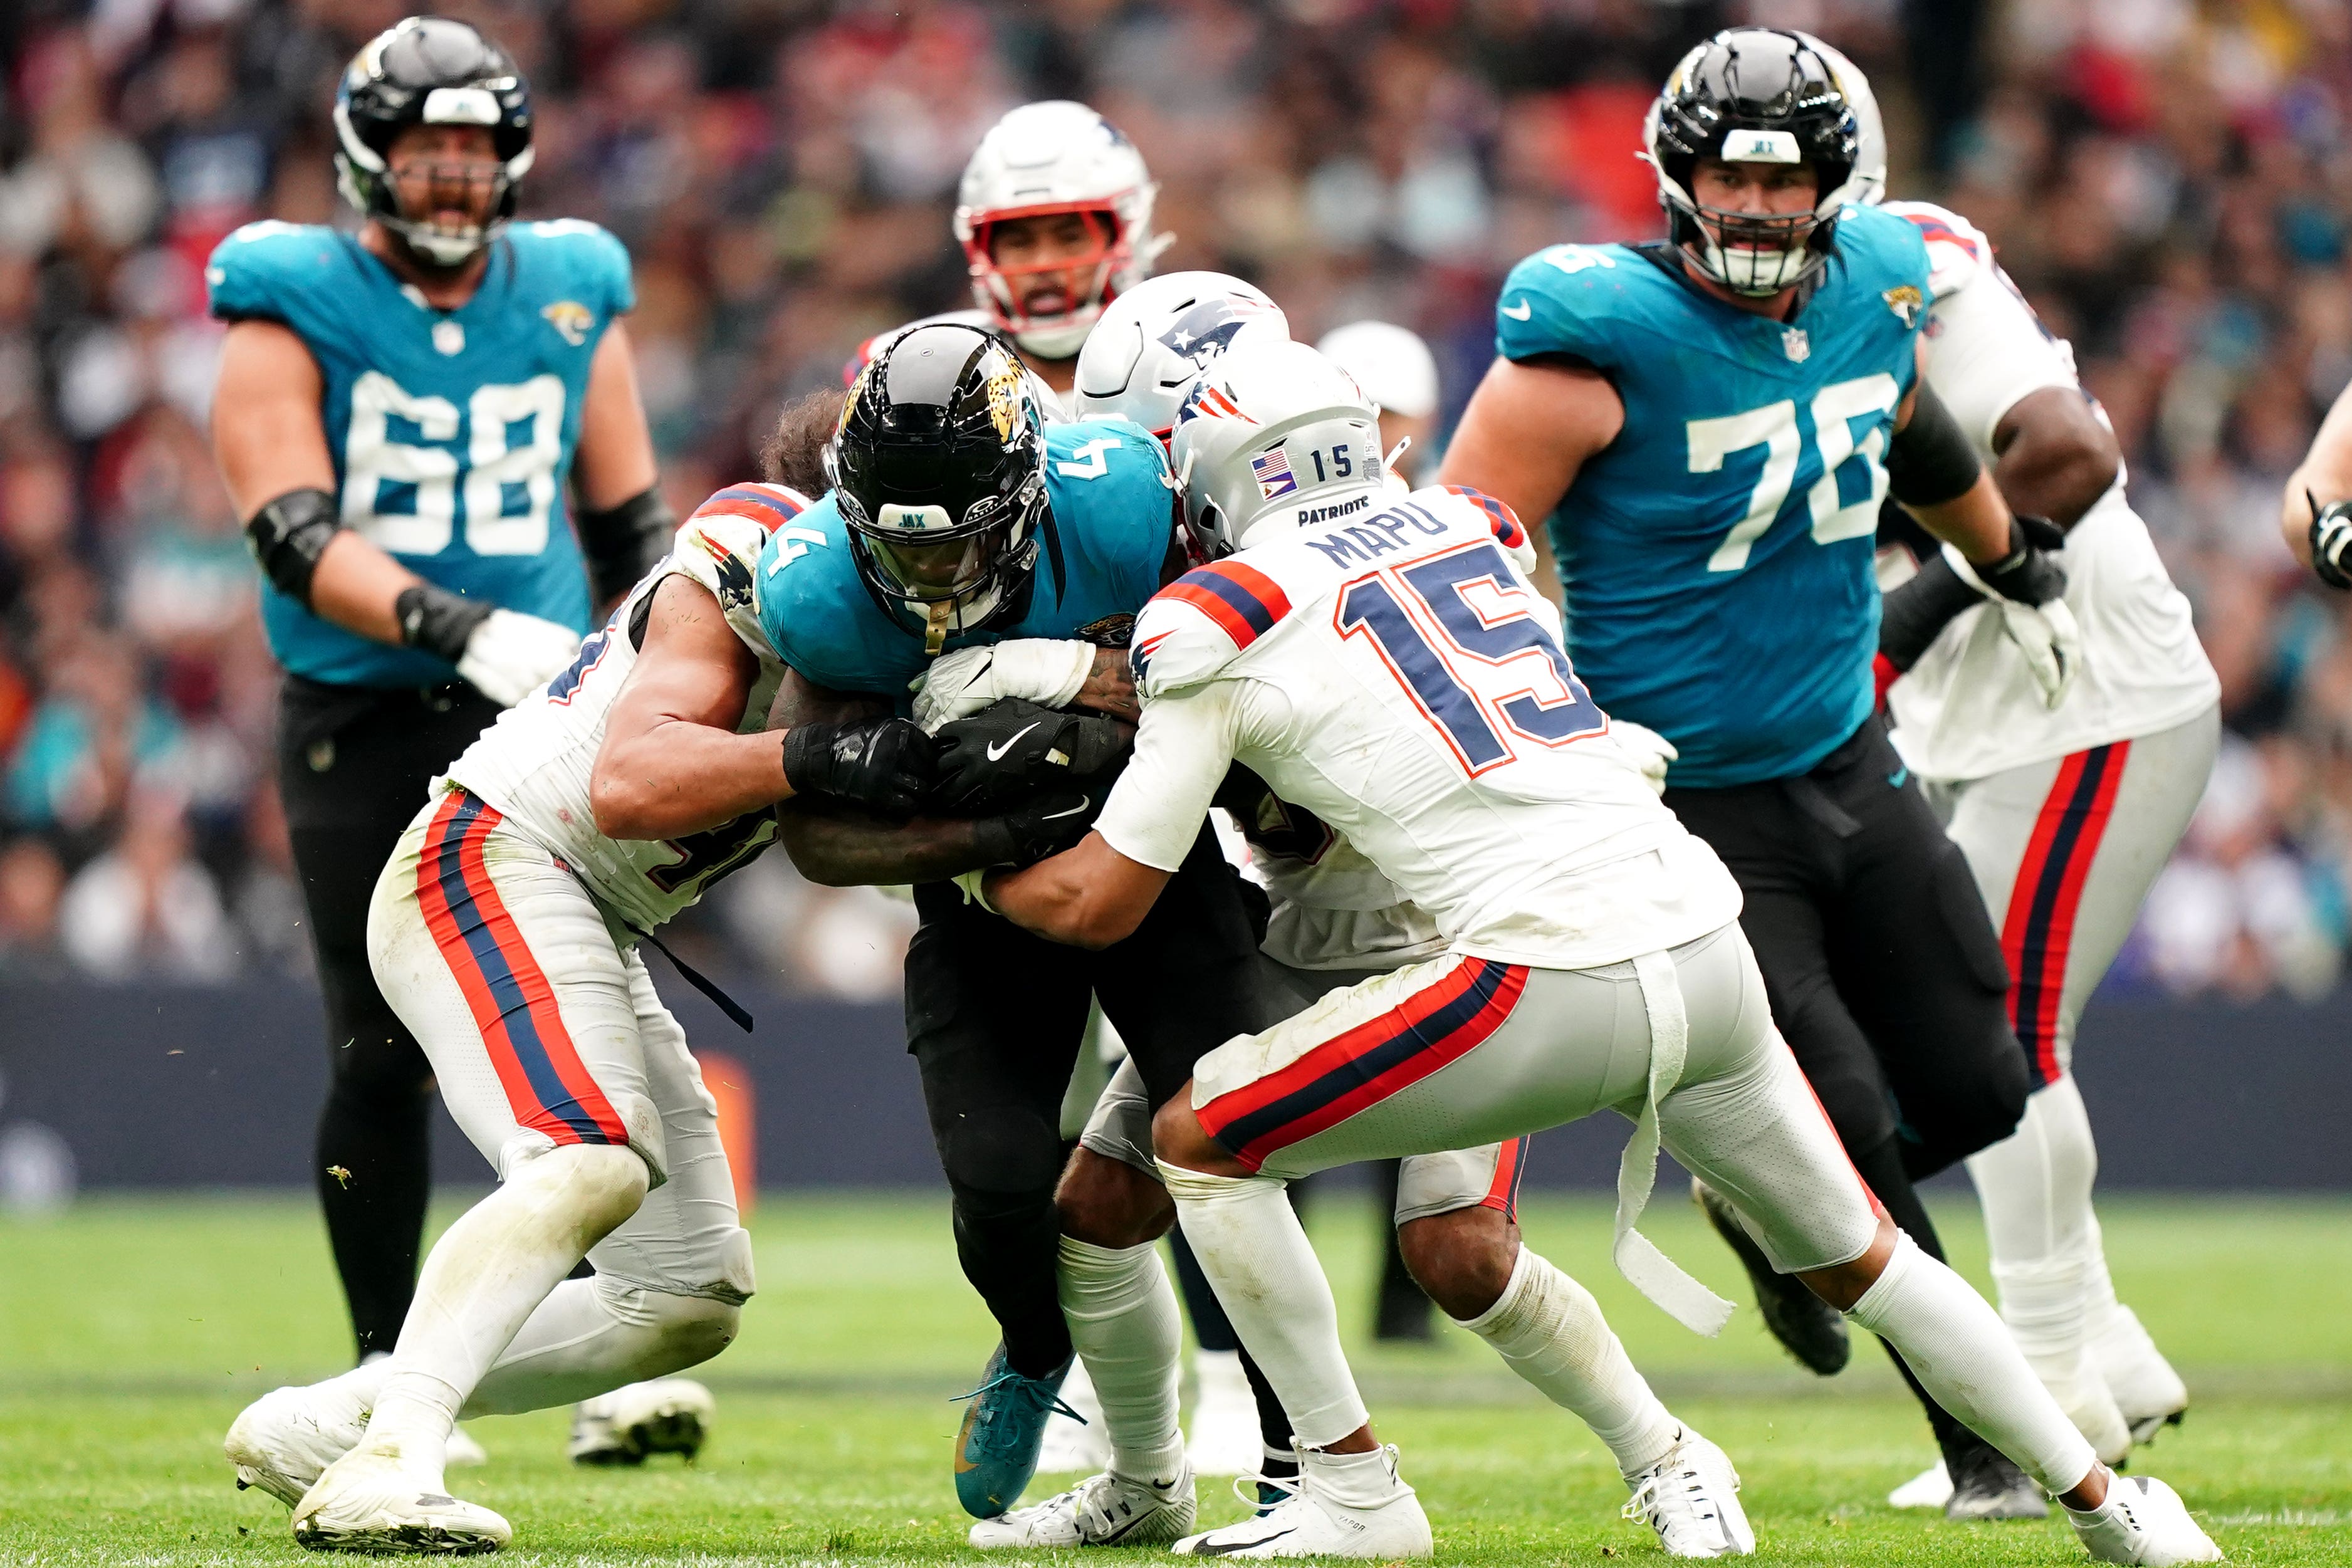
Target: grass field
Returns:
[[132, 1331]]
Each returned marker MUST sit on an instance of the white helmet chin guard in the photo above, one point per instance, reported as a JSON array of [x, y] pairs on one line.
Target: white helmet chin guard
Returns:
[[1154, 341], [1274, 436], [1040, 160]]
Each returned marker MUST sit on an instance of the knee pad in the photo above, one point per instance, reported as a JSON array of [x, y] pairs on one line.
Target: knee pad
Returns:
[[1000, 1153]]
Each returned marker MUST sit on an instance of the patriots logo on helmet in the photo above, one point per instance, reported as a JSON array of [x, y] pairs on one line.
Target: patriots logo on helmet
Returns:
[[1206, 402], [1206, 331]]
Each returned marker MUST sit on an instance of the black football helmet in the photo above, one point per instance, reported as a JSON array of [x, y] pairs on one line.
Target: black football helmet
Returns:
[[1753, 95], [429, 70], [938, 468]]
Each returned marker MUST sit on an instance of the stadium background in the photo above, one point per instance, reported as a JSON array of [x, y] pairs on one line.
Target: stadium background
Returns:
[[2169, 181]]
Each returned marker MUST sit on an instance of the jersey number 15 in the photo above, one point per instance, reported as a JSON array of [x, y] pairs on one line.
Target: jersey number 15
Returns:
[[1493, 671]]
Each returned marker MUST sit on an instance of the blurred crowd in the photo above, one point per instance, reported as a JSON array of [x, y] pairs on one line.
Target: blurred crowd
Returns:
[[2169, 181]]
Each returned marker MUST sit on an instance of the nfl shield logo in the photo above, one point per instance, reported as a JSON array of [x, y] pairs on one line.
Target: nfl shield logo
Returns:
[[1796, 345]]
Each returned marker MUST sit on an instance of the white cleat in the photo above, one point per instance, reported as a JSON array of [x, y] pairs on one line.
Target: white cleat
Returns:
[[1101, 1511], [1931, 1488], [1074, 1446], [1691, 1498], [1224, 1436], [370, 1501], [661, 1416], [1342, 1505], [2143, 1522], [2148, 1391], [2076, 1384], [284, 1440], [464, 1453]]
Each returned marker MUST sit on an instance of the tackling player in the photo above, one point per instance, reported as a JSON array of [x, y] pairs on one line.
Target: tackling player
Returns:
[[2316, 511], [1717, 419], [1396, 675], [399, 417], [2065, 813]]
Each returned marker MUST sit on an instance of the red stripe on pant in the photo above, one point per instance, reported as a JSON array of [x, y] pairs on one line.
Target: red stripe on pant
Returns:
[[1502, 1192], [550, 1040], [2038, 931]]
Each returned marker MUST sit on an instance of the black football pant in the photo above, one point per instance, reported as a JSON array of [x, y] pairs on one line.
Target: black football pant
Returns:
[[353, 766], [1881, 966], [994, 1019]]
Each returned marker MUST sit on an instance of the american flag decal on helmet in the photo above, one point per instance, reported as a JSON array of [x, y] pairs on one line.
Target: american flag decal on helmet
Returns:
[[1272, 472]]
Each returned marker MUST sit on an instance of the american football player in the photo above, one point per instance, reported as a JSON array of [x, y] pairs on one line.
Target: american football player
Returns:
[[1710, 422], [2065, 813], [1381, 661], [433, 429]]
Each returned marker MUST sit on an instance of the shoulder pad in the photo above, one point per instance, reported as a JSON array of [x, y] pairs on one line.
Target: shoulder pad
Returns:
[[1508, 528], [600, 259], [718, 545], [253, 272], [1567, 300], [1194, 626], [1957, 249]]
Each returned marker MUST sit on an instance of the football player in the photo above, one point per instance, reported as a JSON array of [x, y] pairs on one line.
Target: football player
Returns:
[[1053, 214], [504, 931], [960, 517], [2316, 511], [1395, 674], [431, 426], [2065, 813], [1717, 419]]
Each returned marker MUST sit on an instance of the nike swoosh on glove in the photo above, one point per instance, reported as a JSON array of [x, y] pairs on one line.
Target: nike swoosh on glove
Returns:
[[1046, 670], [511, 655], [1045, 825], [1005, 754]]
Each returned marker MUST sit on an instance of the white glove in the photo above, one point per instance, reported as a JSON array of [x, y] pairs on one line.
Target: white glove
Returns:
[[510, 655], [2050, 640], [2046, 635], [1651, 751], [1045, 671]]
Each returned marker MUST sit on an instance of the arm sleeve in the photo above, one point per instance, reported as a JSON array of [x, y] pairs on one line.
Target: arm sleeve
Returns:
[[1181, 755]]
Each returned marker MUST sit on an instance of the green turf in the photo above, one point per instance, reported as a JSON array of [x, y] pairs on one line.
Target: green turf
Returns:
[[132, 1331]]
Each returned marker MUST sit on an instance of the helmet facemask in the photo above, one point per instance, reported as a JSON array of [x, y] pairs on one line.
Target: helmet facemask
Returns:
[[427, 72], [1051, 334]]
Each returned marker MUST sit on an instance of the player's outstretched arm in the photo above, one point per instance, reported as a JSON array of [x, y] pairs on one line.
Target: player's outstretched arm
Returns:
[[1529, 431], [2054, 455], [671, 762], [1087, 896], [2324, 478], [272, 448]]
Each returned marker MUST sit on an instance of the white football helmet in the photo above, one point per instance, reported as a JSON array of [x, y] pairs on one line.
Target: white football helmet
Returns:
[[1048, 158], [1154, 341], [1274, 436], [1870, 127]]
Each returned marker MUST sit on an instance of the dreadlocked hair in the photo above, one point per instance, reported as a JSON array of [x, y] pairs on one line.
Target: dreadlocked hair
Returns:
[[794, 453]]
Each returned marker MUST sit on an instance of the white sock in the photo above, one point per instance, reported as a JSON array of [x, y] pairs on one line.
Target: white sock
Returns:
[[1271, 1285], [1549, 1329], [592, 1336], [489, 1273], [1123, 1320], [2035, 1186], [1954, 1344]]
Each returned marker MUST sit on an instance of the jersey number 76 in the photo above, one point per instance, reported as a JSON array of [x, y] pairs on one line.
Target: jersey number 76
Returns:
[[1492, 671]]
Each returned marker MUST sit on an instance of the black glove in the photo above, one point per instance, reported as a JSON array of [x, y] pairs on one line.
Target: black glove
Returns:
[[887, 764], [2331, 540], [1913, 615], [1013, 749], [2030, 573], [1046, 824]]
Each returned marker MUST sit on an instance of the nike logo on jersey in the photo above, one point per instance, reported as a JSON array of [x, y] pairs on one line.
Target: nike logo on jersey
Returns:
[[996, 752], [1898, 777], [1522, 313]]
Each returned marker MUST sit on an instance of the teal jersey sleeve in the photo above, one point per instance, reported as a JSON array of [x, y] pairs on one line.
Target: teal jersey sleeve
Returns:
[[1569, 301], [288, 273]]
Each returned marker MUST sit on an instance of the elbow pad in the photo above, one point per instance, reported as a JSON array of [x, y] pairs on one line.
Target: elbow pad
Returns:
[[623, 542], [288, 536], [1930, 461], [1915, 614]]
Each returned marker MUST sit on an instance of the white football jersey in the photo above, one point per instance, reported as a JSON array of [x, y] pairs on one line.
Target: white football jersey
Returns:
[[534, 763], [1971, 708], [1396, 675]]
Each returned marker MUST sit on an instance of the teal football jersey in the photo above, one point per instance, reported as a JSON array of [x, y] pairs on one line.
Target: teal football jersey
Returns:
[[1719, 553], [452, 432], [1114, 518]]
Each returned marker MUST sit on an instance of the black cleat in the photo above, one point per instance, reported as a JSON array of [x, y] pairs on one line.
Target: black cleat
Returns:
[[1807, 1327], [1985, 1484]]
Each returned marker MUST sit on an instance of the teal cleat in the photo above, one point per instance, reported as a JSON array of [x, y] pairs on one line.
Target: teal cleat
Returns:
[[996, 1452]]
